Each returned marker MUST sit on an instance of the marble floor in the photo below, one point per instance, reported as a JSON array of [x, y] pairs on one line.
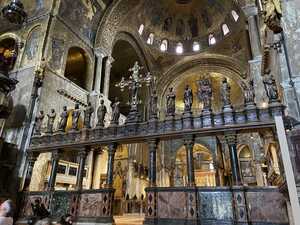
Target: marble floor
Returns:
[[129, 219]]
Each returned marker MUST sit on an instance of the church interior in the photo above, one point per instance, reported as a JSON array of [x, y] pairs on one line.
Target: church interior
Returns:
[[153, 112]]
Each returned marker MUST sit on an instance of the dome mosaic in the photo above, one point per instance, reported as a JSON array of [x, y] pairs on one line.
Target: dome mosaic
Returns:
[[187, 26]]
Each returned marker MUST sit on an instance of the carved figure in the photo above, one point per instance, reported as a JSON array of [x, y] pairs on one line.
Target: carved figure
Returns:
[[188, 99], [249, 93], [273, 14], [225, 92], [115, 112], [167, 24], [38, 123], [87, 115], [171, 98], [63, 119], [75, 117], [270, 86], [51, 118], [101, 113], [153, 104], [205, 93], [180, 27], [193, 23]]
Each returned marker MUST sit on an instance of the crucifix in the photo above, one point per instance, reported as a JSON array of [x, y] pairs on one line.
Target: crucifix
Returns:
[[134, 83]]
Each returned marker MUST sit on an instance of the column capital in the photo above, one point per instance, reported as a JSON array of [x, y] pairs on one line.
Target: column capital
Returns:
[[56, 154], [112, 147], [189, 140], [152, 144], [250, 10], [32, 156], [231, 138]]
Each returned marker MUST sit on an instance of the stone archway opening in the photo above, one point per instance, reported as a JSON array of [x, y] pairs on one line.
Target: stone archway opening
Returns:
[[77, 67]]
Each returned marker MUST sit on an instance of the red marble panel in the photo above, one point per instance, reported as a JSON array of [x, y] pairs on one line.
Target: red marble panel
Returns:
[[267, 207], [172, 205]]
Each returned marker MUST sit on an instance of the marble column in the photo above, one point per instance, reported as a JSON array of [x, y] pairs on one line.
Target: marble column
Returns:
[[231, 140], [108, 66], [82, 158], [110, 164], [189, 145], [31, 159], [98, 74], [255, 64], [152, 147], [53, 173]]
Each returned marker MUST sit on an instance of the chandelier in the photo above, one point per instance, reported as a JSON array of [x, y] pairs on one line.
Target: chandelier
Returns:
[[14, 12]]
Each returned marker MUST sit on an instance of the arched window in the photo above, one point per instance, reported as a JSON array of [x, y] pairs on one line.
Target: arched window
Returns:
[[164, 46], [235, 15], [225, 29], [141, 29], [179, 48], [150, 39], [77, 66], [211, 39], [196, 46]]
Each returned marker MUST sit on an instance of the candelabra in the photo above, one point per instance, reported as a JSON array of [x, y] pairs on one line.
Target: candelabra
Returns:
[[14, 12]]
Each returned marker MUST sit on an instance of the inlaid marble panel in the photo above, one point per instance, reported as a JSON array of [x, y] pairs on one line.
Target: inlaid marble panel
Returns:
[[215, 205]]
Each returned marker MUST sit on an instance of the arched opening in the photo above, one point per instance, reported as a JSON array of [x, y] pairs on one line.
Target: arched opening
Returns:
[[246, 165], [203, 167], [8, 54], [77, 67], [125, 55]]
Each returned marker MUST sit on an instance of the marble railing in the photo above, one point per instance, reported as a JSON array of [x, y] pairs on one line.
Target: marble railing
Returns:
[[219, 205], [207, 124], [87, 205]]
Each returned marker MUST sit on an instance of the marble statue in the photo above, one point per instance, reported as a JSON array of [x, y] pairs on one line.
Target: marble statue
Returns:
[[63, 119], [115, 112], [87, 115], [249, 93], [51, 118], [273, 14], [225, 92], [135, 71], [38, 123], [153, 104], [270, 86], [101, 112], [188, 99], [75, 117], [171, 101], [205, 93]]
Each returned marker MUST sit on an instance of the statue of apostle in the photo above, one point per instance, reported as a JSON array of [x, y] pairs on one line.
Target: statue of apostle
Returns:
[[270, 86], [188, 99], [75, 117], [153, 105], [115, 112], [171, 101], [225, 92], [63, 120], [249, 93], [38, 123], [101, 112], [205, 93], [51, 118], [87, 115]]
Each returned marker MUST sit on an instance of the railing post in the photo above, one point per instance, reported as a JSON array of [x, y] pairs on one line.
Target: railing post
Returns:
[[231, 140], [54, 166], [31, 159], [82, 158], [189, 145], [152, 145], [110, 164]]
